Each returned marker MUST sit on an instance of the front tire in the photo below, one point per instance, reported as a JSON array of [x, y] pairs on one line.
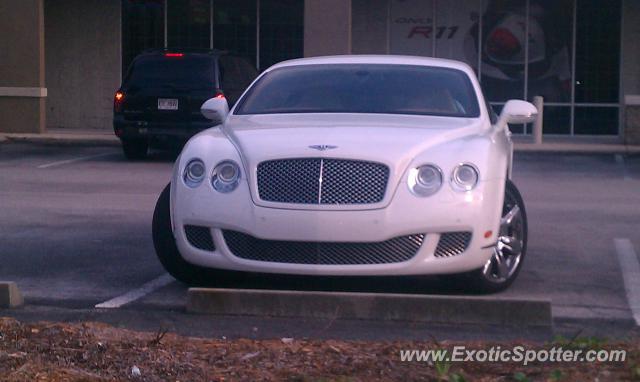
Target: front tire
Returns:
[[505, 264], [165, 244]]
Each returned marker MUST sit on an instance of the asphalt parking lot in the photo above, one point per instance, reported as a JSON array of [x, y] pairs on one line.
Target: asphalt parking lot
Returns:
[[75, 232]]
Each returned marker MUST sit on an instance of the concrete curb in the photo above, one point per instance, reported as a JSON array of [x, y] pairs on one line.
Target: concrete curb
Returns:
[[10, 296], [371, 306]]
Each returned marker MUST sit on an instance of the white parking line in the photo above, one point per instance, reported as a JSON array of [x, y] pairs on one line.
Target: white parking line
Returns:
[[135, 294], [73, 160], [631, 274]]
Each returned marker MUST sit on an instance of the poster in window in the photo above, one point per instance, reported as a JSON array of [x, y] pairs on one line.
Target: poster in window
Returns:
[[411, 30], [502, 43]]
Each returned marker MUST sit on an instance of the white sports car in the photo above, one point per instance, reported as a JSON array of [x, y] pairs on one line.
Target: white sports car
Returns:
[[350, 166]]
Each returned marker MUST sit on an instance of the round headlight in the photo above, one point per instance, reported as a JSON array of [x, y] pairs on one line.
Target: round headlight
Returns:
[[194, 173], [464, 177], [425, 180], [226, 176]]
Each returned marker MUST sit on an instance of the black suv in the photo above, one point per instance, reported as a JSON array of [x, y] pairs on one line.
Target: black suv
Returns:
[[160, 97]]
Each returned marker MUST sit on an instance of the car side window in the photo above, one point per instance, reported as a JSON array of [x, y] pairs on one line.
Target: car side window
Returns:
[[236, 74]]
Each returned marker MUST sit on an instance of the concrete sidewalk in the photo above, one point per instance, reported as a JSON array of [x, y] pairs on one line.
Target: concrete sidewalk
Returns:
[[69, 137], [577, 147], [66, 137]]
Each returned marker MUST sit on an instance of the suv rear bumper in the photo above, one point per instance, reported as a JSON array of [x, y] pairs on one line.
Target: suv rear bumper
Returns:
[[125, 129]]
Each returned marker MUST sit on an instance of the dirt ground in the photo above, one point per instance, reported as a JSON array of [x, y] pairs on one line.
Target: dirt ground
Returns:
[[99, 352]]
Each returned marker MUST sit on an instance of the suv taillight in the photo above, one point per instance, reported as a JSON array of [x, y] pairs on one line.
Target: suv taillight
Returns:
[[118, 100]]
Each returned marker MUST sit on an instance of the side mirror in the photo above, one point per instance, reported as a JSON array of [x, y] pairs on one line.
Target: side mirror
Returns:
[[517, 111], [215, 109]]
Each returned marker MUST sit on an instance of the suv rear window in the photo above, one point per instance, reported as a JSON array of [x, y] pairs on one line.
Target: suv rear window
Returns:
[[186, 70]]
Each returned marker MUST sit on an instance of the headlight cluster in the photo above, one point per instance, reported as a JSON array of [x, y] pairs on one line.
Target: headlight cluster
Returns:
[[194, 173], [464, 177], [426, 180], [225, 176]]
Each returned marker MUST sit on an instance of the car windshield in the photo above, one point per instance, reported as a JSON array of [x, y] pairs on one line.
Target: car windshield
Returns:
[[186, 70], [362, 88]]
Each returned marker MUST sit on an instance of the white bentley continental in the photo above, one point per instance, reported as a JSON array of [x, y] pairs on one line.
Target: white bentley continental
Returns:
[[350, 166]]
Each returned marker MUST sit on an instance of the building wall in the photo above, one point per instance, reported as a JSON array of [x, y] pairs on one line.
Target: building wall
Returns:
[[21, 66], [83, 62], [327, 27], [370, 27]]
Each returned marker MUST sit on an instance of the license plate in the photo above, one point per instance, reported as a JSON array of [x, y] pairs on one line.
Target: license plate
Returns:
[[167, 104]]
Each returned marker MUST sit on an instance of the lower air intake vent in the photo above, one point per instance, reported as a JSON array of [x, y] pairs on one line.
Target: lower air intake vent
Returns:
[[199, 237], [452, 243], [395, 250]]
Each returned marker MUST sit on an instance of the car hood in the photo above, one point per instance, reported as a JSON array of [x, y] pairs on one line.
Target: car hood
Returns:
[[395, 141], [390, 139]]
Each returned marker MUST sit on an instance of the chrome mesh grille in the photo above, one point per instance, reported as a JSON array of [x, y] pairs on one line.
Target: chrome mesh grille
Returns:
[[289, 180], [353, 182], [395, 250], [199, 237], [343, 181], [452, 244]]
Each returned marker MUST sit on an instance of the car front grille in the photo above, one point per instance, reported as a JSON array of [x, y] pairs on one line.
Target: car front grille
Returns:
[[395, 250], [452, 244], [322, 181], [199, 237]]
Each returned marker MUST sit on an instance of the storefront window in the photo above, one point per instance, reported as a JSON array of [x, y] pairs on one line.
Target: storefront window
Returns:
[[557, 120], [188, 23], [411, 27], [234, 27], [456, 32], [503, 46], [596, 120], [142, 28], [281, 31], [550, 42], [521, 49], [262, 31], [598, 51], [518, 48]]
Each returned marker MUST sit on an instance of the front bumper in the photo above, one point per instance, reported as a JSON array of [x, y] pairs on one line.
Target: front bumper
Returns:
[[448, 211]]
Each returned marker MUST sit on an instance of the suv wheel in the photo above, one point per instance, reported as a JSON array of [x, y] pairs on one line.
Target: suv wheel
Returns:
[[135, 149]]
